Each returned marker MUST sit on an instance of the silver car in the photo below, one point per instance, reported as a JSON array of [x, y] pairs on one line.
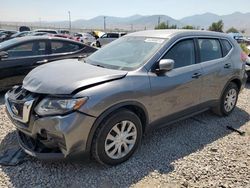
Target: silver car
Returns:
[[85, 38], [102, 105], [108, 38]]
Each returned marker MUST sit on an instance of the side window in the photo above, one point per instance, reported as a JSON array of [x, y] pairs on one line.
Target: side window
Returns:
[[210, 49], [104, 36], [28, 49], [226, 47], [183, 53], [114, 35], [63, 47]]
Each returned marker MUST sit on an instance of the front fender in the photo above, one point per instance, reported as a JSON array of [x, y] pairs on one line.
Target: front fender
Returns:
[[104, 96]]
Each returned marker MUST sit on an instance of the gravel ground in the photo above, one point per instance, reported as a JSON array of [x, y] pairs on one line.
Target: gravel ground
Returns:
[[197, 152]]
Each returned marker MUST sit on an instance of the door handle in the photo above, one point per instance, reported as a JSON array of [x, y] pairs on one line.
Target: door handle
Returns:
[[227, 66], [196, 75], [42, 62]]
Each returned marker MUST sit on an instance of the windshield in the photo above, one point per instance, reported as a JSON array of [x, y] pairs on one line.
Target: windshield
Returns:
[[2, 33], [20, 34], [126, 53], [7, 43]]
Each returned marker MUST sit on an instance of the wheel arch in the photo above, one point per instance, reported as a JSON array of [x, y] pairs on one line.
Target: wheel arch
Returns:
[[235, 80], [133, 106]]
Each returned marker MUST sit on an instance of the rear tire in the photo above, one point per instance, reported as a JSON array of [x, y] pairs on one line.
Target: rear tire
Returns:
[[117, 138], [228, 100]]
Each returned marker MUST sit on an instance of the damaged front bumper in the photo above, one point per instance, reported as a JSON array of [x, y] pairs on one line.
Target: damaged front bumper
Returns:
[[35, 149], [51, 137]]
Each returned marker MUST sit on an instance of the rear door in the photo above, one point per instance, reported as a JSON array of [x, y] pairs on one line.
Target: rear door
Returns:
[[178, 90], [21, 59], [60, 49], [216, 65], [113, 36]]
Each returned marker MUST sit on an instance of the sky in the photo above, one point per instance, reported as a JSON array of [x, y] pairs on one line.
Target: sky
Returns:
[[57, 10]]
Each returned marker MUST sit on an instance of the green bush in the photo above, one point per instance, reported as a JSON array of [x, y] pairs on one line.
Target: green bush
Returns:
[[217, 26]]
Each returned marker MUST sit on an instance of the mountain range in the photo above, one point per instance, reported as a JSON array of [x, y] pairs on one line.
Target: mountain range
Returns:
[[139, 22]]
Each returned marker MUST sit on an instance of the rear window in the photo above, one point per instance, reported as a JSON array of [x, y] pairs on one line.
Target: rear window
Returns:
[[210, 49], [123, 34], [113, 35], [226, 47], [63, 47], [47, 31]]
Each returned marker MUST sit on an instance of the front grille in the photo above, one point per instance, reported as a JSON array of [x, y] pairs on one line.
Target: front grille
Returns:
[[19, 94], [16, 108], [19, 103]]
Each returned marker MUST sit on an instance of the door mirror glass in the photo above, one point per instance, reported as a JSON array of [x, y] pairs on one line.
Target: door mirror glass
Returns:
[[166, 65], [3, 55]]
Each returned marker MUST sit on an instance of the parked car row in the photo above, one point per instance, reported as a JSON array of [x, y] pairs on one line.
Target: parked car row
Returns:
[[95, 38], [103, 104]]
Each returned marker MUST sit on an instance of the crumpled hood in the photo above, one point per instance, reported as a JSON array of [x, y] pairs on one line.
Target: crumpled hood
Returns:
[[65, 76]]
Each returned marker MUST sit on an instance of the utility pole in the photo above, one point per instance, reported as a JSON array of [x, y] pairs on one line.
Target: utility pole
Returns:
[[132, 27], [159, 21], [40, 22], [69, 22], [104, 23]]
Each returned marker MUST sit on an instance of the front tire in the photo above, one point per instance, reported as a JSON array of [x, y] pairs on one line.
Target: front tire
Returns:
[[117, 138], [228, 100], [98, 44]]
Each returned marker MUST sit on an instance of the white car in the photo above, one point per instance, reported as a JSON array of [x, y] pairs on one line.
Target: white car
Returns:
[[107, 38], [85, 38]]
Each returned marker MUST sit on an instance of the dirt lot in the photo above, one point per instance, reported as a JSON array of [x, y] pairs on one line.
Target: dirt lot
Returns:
[[197, 152]]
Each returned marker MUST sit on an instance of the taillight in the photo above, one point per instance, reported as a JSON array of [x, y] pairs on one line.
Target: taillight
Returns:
[[243, 56]]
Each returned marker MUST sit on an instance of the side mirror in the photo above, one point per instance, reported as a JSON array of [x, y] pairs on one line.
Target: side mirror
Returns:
[[166, 65], [3, 55]]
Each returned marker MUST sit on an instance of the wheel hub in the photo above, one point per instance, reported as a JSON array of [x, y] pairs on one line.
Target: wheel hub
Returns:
[[230, 100], [121, 139]]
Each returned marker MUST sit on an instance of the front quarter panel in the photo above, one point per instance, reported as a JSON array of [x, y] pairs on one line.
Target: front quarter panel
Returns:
[[134, 87]]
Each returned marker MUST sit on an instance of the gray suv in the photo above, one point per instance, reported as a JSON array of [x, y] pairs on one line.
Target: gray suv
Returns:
[[103, 104]]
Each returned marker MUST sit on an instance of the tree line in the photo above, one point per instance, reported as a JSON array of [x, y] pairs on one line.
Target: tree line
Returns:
[[216, 26]]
